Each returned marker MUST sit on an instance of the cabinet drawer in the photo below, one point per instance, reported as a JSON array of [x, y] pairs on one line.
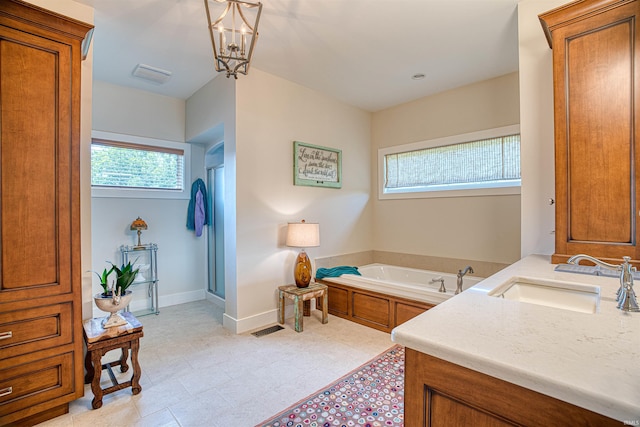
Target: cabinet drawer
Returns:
[[24, 331], [25, 385]]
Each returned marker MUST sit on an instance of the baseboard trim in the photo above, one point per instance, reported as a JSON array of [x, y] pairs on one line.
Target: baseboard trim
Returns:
[[181, 298], [251, 323], [163, 301]]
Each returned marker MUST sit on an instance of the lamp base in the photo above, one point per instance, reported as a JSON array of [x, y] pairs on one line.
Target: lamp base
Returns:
[[302, 270]]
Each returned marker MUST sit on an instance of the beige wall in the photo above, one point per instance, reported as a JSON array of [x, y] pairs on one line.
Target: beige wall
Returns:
[[536, 111], [483, 228], [273, 113], [138, 112]]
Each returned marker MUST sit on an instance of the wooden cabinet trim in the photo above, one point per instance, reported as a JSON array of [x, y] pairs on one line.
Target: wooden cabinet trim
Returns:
[[568, 14], [42, 21]]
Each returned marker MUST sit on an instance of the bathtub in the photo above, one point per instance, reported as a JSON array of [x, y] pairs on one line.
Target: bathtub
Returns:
[[404, 282], [386, 296]]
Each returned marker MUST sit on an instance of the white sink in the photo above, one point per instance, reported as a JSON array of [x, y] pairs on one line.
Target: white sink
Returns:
[[564, 295]]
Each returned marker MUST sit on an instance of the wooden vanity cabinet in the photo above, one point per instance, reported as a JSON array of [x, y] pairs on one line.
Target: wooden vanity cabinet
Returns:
[[41, 350], [596, 71], [440, 393]]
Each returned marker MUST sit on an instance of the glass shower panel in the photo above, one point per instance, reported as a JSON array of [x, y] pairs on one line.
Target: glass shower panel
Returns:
[[215, 178]]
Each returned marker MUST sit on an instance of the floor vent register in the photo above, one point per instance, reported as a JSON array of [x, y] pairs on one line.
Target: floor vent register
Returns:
[[267, 331]]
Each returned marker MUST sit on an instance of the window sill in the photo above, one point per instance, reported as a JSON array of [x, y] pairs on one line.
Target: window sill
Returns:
[[136, 193], [468, 192]]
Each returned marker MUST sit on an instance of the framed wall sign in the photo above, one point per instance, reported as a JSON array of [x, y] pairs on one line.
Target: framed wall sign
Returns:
[[316, 166]]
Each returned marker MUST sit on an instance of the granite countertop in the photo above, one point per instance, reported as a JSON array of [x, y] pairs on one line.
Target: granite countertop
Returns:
[[591, 360]]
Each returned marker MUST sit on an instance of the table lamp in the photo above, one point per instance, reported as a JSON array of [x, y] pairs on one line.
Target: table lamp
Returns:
[[303, 235], [139, 225]]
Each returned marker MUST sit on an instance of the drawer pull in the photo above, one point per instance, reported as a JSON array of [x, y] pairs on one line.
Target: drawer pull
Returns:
[[5, 335], [6, 391]]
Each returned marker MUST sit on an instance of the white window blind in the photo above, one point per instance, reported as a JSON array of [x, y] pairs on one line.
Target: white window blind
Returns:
[[126, 165], [491, 160]]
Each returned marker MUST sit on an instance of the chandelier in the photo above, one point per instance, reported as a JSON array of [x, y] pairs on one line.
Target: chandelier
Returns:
[[233, 33]]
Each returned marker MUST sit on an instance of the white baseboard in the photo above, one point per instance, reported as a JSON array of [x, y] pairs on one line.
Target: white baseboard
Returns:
[[237, 326], [163, 301], [258, 321], [181, 298]]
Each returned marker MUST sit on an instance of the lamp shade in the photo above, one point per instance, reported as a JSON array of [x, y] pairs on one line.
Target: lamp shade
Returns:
[[138, 224], [303, 234]]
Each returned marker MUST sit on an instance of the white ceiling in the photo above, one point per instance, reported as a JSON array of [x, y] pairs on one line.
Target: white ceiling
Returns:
[[362, 52]]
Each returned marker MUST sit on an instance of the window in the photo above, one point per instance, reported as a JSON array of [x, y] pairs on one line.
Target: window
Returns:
[[480, 163], [126, 166]]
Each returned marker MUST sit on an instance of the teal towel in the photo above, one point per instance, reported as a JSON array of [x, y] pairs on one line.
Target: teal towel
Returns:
[[321, 273]]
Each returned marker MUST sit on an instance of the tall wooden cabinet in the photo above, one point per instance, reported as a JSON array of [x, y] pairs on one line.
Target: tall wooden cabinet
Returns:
[[596, 72], [41, 360]]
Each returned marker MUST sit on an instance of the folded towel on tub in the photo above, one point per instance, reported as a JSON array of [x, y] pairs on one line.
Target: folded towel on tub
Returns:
[[321, 273]]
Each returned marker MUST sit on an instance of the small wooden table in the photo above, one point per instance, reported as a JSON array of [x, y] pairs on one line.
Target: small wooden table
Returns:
[[299, 296], [99, 341]]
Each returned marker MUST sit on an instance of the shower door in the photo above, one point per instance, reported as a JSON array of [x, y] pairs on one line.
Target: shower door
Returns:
[[215, 183]]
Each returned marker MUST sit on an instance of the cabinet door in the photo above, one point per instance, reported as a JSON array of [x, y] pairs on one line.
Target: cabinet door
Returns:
[[36, 158], [596, 133]]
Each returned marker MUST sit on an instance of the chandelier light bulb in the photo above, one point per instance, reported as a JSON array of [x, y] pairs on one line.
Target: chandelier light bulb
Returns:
[[223, 38], [243, 30]]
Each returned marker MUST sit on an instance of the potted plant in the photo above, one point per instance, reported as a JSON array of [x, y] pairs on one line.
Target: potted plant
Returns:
[[116, 297]]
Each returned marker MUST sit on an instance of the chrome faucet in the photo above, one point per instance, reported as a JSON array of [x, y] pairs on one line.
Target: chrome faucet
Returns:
[[441, 280], [626, 296], [461, 273]]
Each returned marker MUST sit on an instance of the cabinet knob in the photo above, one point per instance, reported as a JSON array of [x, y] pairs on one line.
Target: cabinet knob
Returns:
[[6, 335], [6, 391]]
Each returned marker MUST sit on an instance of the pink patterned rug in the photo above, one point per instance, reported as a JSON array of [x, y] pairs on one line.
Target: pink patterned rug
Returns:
[[370, 396]]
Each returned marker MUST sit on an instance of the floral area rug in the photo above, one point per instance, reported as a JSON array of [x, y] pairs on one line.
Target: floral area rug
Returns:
[[370, 396]]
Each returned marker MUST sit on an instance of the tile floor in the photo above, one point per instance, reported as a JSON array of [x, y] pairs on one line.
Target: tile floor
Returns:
[[196, 373]]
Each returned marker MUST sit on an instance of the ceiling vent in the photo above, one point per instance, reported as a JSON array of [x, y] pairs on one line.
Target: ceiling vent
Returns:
[[151, 74]]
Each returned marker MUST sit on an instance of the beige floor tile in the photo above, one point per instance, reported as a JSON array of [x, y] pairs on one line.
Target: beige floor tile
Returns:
[[160, 396], [162, 418], [201, 411], [195, 373]]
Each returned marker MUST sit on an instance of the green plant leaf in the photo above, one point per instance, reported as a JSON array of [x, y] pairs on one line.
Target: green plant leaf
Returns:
[[104, 278], [125, 276]]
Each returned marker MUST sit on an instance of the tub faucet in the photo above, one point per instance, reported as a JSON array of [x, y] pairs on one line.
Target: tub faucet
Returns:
[[441, 280], [626, 296], [461, 273]]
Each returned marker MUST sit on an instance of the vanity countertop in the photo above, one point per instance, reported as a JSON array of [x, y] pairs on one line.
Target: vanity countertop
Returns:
[[591, 360]]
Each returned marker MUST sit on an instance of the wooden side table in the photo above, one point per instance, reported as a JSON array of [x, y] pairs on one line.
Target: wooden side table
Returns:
[[299, 296], [99, 341]]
